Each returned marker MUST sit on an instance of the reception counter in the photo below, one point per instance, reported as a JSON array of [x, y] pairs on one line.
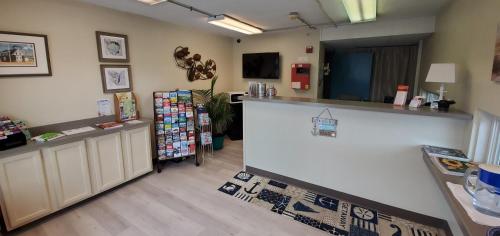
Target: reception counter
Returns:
[[376, 154]]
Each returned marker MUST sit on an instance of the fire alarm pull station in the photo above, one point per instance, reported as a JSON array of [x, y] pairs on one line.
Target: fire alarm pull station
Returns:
[[301, 76]]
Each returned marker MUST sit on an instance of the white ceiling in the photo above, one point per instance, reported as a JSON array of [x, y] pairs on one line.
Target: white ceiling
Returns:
[[269, 14]]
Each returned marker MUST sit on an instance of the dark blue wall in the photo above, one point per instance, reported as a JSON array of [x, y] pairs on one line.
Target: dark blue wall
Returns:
[[351, 76]]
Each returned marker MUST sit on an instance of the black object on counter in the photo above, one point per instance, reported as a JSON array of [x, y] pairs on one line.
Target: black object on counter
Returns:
[[12, 141], [444, 105]]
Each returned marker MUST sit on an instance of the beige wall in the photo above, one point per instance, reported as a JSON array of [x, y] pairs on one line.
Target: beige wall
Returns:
[[465, 35], [291, 46], [72, 91]]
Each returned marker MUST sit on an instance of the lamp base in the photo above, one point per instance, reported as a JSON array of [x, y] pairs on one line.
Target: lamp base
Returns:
[[441, 92]]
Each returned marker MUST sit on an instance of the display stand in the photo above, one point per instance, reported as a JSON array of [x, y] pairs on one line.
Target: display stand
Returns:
[[174, 126], [204, 137]]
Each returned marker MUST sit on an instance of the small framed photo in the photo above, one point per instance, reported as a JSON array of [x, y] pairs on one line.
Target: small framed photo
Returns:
[[116, 78], [112, 47], [23, 54]]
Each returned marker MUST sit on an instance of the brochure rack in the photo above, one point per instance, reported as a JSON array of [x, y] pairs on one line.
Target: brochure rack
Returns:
[[174, 126], [204, 137]]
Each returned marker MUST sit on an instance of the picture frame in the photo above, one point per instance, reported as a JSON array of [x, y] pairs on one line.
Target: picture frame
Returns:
[[112, 47], [24, 54], [495, 73], [116, 78]]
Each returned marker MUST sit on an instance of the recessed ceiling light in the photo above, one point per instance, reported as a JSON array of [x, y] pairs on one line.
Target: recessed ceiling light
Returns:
[[152, 2], [233, 24], [361, 10]]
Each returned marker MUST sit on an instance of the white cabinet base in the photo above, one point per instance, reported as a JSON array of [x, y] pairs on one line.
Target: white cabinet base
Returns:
[[137, 152], [67, 166], [106, 158], [25, 193]]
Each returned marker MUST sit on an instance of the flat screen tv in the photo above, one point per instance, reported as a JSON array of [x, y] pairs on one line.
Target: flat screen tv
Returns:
[[261, 65]]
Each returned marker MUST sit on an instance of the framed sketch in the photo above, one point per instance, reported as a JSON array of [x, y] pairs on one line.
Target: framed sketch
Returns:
[[112, 47], [116, 78], [495, 75], [23, 54]]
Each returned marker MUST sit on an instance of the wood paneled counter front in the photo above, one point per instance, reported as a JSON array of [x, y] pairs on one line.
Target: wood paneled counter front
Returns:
[[38, 179]]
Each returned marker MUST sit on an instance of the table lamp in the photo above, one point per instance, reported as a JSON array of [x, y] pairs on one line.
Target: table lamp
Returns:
[[441, 73]]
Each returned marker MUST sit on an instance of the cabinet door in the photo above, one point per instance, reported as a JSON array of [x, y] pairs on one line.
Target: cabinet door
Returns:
[[137, 150], [68, 168], [106, 161], [25, 193]]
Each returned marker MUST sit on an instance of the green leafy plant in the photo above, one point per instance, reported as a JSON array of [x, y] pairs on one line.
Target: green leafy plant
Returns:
[[217, 106]]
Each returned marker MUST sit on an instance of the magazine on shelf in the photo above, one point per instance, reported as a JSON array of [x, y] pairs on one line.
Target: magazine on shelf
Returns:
[[452, 167], [449, 153]]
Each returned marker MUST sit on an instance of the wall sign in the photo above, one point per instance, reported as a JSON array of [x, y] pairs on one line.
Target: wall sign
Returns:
[[324, 126]]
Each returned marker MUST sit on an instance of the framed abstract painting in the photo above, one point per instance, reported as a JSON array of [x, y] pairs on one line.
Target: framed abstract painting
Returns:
[[112, 47], [23, 54], [116, 78]]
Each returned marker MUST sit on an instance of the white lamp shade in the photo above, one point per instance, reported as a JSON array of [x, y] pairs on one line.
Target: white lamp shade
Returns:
[[441, 73]]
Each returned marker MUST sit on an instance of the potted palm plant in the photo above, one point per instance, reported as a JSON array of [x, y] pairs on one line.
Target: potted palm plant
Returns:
[[219, 111]]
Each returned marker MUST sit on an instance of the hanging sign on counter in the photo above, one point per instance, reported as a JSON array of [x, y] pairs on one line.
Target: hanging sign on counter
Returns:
[[324, 126]]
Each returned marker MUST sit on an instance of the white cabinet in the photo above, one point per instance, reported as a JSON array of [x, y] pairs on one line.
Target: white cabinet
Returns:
[[25, 192], [137, 152], [37, 183], [106, 160], [68, 169]]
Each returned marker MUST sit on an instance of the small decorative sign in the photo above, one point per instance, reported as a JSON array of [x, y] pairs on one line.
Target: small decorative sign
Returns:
[[324, 126]]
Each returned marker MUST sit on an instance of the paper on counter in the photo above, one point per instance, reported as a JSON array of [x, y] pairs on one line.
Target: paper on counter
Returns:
[[466, 201], [78, 130], [133, 122]]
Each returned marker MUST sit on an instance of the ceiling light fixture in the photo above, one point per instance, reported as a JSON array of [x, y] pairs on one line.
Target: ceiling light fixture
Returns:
[[234, 24], [361, 10], [152, 2]]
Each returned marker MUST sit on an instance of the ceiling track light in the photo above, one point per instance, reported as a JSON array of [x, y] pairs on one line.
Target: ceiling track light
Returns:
[[361, 10], [234, 24], [222, 20], [296, 16]]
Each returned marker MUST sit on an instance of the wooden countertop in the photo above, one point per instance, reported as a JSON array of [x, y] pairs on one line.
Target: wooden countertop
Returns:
[[364, 106], [468, 226]]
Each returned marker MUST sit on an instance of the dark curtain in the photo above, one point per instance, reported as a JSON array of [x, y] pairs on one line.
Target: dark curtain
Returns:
[[393, 66]]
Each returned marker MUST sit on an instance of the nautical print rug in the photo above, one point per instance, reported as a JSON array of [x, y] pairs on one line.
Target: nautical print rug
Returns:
[[335, 216]]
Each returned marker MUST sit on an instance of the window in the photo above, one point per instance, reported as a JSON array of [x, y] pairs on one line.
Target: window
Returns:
[[485, 141]]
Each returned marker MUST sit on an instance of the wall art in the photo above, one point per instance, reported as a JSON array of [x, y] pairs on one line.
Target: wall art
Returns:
[[196, 69], [112, 47], [116, 78], [23, 54], [495, 76]]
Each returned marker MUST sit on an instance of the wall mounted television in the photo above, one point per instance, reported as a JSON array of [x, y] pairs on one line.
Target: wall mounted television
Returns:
[[261, 65]]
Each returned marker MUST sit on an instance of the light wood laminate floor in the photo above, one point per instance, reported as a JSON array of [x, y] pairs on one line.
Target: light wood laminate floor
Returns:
[[182, 200]]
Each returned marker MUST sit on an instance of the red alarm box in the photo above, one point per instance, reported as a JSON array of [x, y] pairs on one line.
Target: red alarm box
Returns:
[[301, 78]]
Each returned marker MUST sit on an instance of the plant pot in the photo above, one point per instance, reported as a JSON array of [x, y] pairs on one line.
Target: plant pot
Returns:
[[218, 141]]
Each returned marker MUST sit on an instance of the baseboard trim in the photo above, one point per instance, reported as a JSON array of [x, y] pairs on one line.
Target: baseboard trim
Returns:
[[395, 211]]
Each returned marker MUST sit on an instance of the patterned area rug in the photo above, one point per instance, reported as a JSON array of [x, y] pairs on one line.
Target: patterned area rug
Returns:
[[335, 216]]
